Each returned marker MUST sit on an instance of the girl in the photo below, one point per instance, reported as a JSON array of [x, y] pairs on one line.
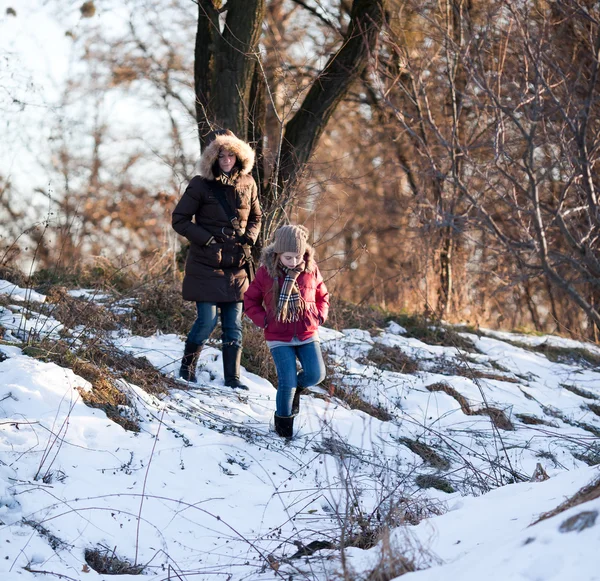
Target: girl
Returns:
[[289, 300]]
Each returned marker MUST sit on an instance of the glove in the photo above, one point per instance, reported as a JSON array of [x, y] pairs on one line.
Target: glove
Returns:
[[245, 240]]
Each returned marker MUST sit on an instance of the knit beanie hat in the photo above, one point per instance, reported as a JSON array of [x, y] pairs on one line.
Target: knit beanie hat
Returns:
[[290, 239]]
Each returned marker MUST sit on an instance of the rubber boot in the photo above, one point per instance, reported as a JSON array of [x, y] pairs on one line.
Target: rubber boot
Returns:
[[232, 357], [191, 353], [284, 426], [296, 401]]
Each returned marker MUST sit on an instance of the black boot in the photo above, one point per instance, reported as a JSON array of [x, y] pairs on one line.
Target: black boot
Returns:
[[296, 400], [191, 352], [232, 357], [284, 426]]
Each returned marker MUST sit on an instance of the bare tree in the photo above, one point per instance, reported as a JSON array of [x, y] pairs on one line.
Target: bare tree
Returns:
[[228, 65]]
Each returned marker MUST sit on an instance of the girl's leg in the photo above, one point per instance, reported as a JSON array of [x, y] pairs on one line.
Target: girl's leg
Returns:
[[285, 363], [313, 366]]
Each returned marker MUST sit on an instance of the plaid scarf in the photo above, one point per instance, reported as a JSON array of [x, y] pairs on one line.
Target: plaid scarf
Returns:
[[290, 304], [228, 179]]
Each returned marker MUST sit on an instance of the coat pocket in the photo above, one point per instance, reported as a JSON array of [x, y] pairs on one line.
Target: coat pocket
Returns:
[[210, 255]]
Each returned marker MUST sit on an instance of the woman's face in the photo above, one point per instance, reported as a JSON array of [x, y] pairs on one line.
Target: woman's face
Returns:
[[227, 160], [290, 259]]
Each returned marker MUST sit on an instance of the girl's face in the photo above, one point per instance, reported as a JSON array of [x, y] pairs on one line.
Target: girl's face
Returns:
[[227, 160], [290, 259]]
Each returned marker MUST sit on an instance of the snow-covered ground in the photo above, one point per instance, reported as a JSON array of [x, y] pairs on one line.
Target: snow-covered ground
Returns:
[[469, 451]]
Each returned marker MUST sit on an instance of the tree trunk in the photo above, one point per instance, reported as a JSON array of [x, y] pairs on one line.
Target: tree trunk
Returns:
[[225, 63]]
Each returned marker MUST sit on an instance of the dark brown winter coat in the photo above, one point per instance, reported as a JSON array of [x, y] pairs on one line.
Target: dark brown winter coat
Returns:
[[215, 273]]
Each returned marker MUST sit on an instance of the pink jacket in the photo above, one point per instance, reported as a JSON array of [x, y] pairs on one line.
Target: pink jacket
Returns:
[[259, 303]]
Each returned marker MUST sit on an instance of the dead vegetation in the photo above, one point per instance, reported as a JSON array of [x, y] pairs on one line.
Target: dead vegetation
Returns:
[[390, 359], [434, 481], [106, 562], [461, 367], [256, 356], [497, 416], [533, 420], [585, 494], [566, 355], [105, 368], [594, 408], [579, 391], [558, 414], [75, 312], [426, 453], [345, 315]]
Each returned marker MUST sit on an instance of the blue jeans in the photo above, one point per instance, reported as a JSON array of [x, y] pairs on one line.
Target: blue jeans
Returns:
[[206, 321], [288, 378]]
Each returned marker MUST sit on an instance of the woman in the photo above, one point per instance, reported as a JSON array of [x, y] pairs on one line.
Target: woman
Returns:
[[289, 300], [220, 215]]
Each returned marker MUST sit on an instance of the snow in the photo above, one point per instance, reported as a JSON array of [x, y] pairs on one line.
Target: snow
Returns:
[[206, 489]]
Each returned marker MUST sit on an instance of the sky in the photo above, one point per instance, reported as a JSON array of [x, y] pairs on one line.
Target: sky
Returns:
[[207, 490], [49, 102]]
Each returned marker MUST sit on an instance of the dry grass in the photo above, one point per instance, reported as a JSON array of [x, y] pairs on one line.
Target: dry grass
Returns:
[[585, 494], [72, 311], [105, 561], [580, 392], [533, 420], [353, 400], [452, 366], [256, 356], [497, 416], [345, 315], [433, 481], [392, 563], [104, 367], [426, 453], [390, 359], [594, 408], [570, 356], [158, 305]]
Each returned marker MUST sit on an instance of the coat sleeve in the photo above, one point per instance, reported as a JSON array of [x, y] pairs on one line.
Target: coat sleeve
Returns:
[[185, 210], [255, 216], [254, 297], [321, 297]]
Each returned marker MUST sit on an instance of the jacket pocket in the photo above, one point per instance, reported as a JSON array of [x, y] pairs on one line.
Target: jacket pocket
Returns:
[[210, 255]]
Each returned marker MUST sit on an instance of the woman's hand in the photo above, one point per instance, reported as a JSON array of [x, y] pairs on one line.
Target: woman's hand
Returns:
[[245, 240]]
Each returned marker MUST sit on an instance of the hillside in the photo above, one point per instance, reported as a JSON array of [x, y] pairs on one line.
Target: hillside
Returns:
[[434, 452]]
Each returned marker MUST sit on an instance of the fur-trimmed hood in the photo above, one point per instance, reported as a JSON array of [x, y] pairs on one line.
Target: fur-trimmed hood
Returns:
[[268, 257], [243, 152]]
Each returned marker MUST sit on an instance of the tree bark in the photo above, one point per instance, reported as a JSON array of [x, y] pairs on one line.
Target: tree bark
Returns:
[[225, 63]]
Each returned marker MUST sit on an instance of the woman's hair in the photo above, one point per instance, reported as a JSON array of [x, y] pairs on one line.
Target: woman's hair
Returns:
[[217, 171], [216, 133], [216, 168]]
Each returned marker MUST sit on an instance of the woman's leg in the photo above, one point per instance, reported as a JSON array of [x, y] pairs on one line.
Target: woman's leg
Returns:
[[201, 329], [231, 324], [206, 320], [287, 377]]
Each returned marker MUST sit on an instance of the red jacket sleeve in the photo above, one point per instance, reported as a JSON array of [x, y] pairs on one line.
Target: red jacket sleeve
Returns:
[[254, 297], [321, 297]]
